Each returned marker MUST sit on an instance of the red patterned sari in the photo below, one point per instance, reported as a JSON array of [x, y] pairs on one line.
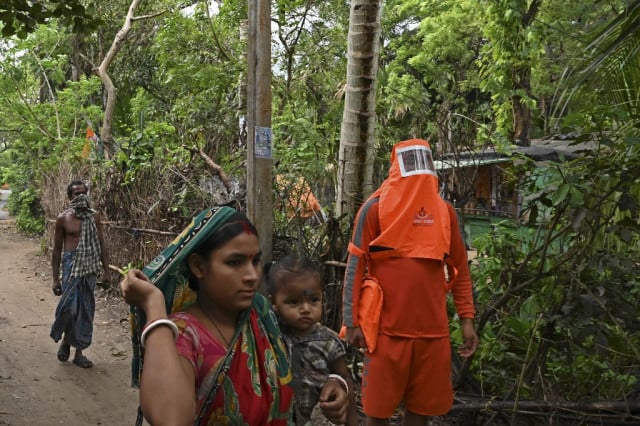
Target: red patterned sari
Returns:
[[250, 385]]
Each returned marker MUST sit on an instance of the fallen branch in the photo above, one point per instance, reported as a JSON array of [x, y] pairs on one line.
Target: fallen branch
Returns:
[[112, 224], [211, 165], [144, 231], [621, 407], [335, 263]]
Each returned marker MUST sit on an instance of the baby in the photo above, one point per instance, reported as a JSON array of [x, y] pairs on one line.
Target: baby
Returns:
[[316, 352]]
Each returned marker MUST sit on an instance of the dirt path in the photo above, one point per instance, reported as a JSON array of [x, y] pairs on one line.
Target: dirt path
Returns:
[[35, 388]]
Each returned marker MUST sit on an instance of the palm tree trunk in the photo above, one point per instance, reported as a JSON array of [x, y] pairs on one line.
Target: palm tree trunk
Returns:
[[357, 136]]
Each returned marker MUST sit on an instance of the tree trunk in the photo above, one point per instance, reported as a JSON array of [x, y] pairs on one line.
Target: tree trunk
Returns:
[[522, 82], [521, 112], [109, 87], [357, 136]]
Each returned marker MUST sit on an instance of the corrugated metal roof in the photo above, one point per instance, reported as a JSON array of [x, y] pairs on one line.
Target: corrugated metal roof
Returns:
[[467, 162], [540, 149]]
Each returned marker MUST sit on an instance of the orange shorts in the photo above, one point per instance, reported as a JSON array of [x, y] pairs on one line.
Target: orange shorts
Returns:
[[416, 371]]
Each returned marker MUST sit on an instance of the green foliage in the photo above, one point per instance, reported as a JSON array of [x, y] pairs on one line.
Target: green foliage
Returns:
[[556, 292], [144, 150], [21, 17], [429, 83], [40, 135], [25, 206], [189, 100]]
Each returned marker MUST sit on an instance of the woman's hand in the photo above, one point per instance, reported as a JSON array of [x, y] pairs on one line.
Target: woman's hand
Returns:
[[139, 291], [167, 386], [334, 401]]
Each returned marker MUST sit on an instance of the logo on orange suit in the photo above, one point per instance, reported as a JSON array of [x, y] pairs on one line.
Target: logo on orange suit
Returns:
[[423, 218]]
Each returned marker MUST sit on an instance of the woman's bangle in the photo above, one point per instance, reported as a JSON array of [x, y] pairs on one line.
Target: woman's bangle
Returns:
[[340, 380], [153, 324]]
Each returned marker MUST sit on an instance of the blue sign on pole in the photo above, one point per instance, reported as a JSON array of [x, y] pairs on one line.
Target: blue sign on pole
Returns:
[[263, 142]]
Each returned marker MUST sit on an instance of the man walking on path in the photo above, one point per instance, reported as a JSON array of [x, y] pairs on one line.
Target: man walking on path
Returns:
[[79, 231], [405, 236]]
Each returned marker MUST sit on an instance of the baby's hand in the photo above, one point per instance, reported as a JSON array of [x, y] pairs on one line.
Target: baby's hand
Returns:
[[334, 402]]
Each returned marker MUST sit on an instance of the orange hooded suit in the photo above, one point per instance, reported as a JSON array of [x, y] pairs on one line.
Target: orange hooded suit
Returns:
[[408, 232]]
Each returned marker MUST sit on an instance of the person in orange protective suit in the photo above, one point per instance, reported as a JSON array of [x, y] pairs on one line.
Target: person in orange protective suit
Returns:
[[300, 202], [407, 237]]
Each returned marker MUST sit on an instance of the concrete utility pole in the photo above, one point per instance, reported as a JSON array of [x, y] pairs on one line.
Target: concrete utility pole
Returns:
[[259, 136]]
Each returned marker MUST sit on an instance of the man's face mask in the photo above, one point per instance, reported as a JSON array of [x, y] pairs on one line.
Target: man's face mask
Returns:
[[415, 160]]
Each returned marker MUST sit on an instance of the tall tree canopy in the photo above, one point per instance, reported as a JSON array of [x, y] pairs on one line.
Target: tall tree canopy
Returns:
[[20, 17]]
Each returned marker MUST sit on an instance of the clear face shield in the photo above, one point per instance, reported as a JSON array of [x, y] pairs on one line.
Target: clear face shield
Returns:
[[415, 160]]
